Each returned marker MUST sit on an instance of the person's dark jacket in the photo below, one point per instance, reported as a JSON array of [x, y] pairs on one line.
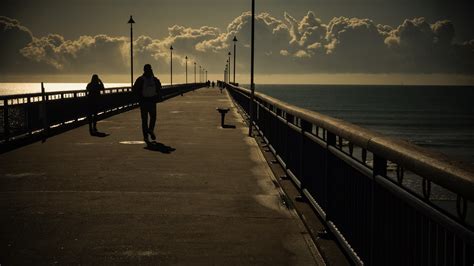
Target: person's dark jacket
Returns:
[[93, 89], [138, 87]]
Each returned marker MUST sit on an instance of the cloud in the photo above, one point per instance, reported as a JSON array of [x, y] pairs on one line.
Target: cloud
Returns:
[[287, 45], [85, 55], [420, 47], [13, 38]]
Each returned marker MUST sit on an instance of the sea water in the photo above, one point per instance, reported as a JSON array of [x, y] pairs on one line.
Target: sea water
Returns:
[[437, 117]]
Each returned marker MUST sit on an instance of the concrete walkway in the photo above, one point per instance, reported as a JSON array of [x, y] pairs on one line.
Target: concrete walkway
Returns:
[[205, 196]]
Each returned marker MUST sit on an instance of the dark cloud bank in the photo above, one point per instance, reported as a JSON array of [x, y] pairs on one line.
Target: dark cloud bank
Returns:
[[287, 45]]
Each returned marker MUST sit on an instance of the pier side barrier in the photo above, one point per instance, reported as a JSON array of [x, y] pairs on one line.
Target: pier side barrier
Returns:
[[29, 117], [388, 202]]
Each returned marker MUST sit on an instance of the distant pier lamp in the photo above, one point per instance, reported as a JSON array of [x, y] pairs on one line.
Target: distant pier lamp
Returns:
[[206, 75], [229, 65], [171, 64], [235, 42], [200, 78], [227, 68], [131, 22], [225, 74], [194, 72], [186, 69]]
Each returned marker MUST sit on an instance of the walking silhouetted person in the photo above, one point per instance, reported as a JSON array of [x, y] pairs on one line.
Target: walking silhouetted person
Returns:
[[93, 99], [147, 88]]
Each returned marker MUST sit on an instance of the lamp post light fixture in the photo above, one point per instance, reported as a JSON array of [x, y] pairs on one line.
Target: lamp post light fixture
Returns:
[[194, 72], [235, 42], [131, 22]]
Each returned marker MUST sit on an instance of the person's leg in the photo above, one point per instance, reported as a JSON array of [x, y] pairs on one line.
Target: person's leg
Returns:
[[94, 121], [144, 116], [151, 128], [90, 118], [91, 124]]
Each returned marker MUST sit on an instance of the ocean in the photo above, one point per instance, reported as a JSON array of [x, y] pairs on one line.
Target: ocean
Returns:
[[436, 117], [23, 88]]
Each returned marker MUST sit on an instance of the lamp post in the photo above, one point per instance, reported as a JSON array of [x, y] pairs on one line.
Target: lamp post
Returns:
[[235, 42], [206, 75], [200, 74], [194, 72], [225, 74], [131, 22], [229, 65], [171, 49], [252, 57], [186, 69]]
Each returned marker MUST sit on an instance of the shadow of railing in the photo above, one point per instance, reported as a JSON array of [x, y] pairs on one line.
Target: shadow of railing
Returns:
[[27, 118]]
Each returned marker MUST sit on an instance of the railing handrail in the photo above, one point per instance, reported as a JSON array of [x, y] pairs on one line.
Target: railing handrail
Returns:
[[39, 94], [436, 167]]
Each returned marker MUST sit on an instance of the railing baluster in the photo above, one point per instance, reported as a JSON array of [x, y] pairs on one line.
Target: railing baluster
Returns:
[[6, 120], [28, 118]]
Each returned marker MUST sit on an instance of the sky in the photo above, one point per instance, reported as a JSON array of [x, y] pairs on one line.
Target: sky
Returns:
[[297, 41]]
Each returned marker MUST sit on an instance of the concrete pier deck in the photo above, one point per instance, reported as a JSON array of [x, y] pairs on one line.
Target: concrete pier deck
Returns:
[[204, 196]]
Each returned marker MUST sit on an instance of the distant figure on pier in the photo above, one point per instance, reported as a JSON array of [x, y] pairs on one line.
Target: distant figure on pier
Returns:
[[147, 88], [93, 99], [213, 84]]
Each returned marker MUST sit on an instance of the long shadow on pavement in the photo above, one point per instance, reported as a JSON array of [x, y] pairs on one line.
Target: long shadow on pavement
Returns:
[[160, 147], [99, 134]]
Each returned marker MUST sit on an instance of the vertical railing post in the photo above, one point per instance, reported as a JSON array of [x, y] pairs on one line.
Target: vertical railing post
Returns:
[[61, 98], [379, 168], [44, 112], [6, 122], [75, 100], [28, 120], [330, 141], [305, 127]]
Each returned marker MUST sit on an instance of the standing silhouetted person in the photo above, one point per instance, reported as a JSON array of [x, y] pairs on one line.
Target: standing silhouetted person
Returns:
[[147, 88], [93, 100]]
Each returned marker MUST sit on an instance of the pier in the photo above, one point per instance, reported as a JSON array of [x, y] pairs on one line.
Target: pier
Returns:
[[203, 195], [305, 189]]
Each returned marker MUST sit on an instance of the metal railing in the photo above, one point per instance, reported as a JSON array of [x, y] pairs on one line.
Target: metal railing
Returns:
[[25, 115], [387, 202]]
